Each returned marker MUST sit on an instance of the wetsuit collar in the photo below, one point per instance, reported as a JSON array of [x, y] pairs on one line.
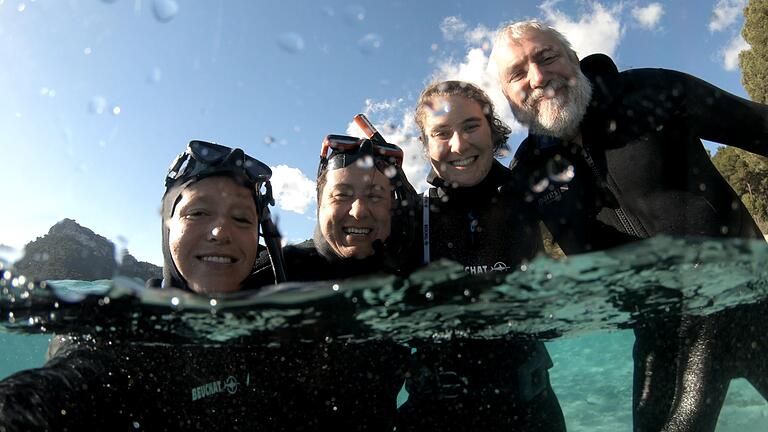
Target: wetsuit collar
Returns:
[[497, 176]]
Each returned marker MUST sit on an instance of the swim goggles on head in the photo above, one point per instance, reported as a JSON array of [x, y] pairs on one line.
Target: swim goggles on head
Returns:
[[345, 150], [203, 158]]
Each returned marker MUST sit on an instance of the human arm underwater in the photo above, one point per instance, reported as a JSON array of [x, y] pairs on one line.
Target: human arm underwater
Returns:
[[77, 389]]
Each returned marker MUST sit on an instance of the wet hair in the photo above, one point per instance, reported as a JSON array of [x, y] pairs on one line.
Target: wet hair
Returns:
[[499, 130], [518, 30]]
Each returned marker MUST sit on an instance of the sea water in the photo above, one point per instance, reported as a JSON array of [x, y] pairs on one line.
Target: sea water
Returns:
[[566, 302]]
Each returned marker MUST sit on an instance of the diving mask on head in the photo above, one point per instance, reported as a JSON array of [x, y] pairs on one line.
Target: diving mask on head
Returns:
[[203, 159], [345, 150]]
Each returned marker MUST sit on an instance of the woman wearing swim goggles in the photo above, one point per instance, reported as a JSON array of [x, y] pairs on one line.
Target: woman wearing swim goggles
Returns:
[[356, 203], [212, 210]]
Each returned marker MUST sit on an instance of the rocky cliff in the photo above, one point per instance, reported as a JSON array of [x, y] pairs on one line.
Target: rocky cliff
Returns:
[[71, 251]]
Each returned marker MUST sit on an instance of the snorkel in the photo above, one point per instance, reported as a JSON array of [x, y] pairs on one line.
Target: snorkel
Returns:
[[341, 151], [202, 160]]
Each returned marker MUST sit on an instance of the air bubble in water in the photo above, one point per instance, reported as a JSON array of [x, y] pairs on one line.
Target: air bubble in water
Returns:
[[291, 42], [335, 287], [560, 170], [269, 140], [165, 10], [369, 43]]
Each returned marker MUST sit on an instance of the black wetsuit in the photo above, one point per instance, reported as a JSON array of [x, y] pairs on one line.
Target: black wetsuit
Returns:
[[641, 171], [283, 380], [462, 383], [277, 381]]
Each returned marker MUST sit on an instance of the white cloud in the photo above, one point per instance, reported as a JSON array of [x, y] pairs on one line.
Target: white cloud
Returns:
[[597, 31], [480, 36], [730, 53], [292, 189], [394, 120], [648, 17], [725, 13], [452, 27]]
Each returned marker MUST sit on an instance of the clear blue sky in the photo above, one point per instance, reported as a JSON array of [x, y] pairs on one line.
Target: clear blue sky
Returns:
[[99, 96]]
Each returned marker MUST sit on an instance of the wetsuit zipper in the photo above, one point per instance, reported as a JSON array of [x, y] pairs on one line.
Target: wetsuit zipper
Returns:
[[620, 213]]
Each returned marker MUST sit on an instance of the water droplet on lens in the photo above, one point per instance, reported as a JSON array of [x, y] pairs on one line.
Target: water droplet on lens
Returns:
[[97, 105], [354, 14], [390, 172], [116, 110], [369, 43], [329, 11], [165, 10], [155, 75], [290, 42], [21, 7], [365, 162], [538, 185], [560, 170]]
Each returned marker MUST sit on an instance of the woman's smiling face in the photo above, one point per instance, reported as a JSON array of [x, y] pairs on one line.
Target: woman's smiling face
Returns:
[[355, 210], [459, 140]]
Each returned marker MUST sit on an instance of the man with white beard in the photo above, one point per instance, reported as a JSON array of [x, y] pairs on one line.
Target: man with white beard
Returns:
[[617, 157]]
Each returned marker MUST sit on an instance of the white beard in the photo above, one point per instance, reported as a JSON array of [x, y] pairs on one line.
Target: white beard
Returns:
[[558, 116]]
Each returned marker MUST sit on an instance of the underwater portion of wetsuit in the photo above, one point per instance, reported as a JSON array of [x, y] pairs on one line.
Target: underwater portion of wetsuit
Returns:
[[642, 170], [459, 383], [255, 385]]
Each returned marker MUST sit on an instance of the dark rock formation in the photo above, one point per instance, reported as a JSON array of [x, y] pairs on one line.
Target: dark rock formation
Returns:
[[71, 251]]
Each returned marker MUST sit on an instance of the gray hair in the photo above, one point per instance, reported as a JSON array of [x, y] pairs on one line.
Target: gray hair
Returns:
[[517, 30]]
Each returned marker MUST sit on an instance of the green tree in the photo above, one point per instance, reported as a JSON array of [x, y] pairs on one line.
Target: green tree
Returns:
[[747, 174], [754, 62]]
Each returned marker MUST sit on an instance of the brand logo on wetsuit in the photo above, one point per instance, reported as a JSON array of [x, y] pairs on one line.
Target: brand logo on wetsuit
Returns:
[[215, 387], [498, 267], [552, 195]]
